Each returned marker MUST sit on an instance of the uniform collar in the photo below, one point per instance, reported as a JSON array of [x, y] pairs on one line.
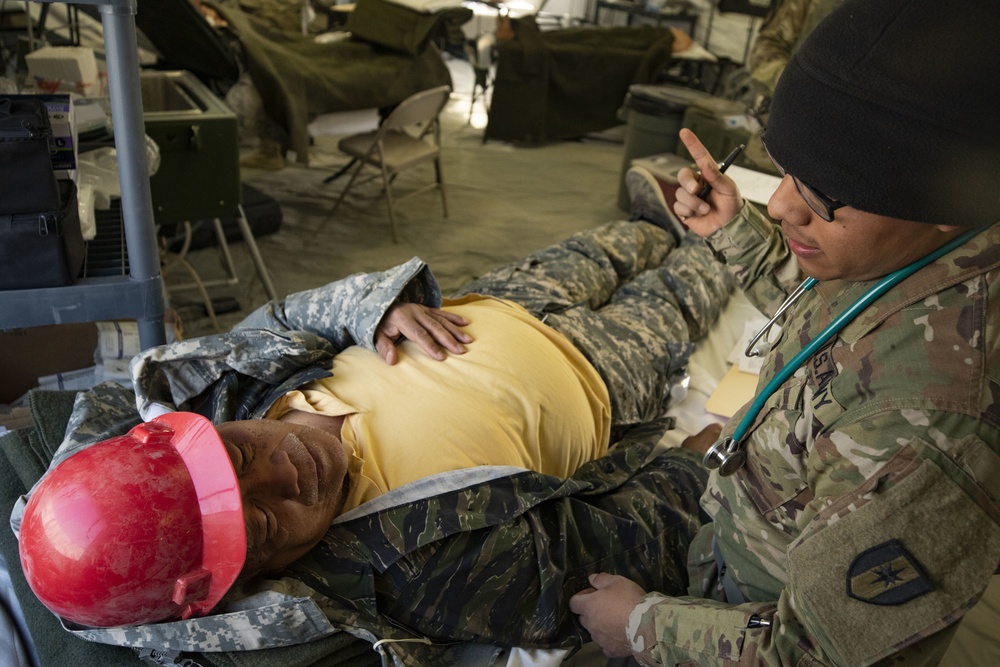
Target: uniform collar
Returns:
[[980, 254]]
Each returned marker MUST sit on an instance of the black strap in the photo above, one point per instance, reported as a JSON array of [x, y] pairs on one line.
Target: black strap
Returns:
[[733, 593]]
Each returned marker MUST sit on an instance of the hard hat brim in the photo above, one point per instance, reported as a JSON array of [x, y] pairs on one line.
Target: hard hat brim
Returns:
[[218, 489]]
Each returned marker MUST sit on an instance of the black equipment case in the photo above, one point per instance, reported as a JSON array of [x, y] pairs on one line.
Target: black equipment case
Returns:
[[40, 240]]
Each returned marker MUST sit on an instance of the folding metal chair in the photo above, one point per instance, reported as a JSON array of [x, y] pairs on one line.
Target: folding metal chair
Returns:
[[395, 146]]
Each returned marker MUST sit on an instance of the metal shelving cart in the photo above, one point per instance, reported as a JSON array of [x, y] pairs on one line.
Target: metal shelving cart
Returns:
[[138, 295]]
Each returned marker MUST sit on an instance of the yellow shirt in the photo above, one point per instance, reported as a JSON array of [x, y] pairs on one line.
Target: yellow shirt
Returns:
[[521, 395]]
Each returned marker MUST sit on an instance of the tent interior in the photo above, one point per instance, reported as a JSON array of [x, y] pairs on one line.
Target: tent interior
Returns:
[[518, 177]]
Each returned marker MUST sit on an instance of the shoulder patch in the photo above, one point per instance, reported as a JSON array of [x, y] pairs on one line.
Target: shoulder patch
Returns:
[[887, 574]]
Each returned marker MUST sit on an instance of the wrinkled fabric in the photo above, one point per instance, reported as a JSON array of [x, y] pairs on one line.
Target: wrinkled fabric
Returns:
[[461, 566], [626, 298], [779, 36]]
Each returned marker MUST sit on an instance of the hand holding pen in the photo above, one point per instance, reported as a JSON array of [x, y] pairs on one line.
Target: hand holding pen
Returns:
[[692, 205], [723, 166]]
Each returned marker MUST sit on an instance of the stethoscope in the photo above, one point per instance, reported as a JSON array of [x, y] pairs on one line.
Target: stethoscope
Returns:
[[727, 455]]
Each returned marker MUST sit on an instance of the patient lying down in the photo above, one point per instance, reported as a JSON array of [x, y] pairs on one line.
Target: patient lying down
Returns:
[[519, 394], [390, 448]]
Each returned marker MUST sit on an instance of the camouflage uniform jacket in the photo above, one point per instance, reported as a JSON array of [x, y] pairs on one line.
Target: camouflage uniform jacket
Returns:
[[280, 346], [789, 22], [460, 566], [865, 521]]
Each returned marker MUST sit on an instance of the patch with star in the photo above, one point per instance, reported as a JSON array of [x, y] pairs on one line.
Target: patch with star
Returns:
[[887, 574]]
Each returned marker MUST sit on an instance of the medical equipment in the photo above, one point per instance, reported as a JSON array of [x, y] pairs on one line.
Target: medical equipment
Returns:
[[753, 350], [728, 455]]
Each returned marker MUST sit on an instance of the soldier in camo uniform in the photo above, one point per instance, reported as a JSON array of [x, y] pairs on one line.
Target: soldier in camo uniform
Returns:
[[864, 522], [787, 24], [460, 565]]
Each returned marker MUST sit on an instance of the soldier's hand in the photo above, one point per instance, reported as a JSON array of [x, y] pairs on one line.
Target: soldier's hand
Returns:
[[435, 331], [604, 611], [723, 202], [701, 442]]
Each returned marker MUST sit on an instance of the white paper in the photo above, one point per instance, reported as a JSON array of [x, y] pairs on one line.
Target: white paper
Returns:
[[755, 186]]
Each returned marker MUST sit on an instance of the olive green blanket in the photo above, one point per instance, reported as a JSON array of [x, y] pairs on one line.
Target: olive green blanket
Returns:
[[389, 56], [563, 84]]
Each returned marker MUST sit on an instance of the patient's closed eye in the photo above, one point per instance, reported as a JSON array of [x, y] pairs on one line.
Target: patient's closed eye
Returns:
[[261, 527], [241, 455]]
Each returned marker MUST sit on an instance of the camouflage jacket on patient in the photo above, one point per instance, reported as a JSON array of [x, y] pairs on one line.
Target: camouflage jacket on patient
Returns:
[[865, 522], [454, 558], [437, 569]]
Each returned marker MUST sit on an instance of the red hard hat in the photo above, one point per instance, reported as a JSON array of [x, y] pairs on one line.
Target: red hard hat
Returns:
[[137, 529]]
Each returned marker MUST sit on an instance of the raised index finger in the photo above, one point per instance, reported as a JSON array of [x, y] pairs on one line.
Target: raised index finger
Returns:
[[706, 163]]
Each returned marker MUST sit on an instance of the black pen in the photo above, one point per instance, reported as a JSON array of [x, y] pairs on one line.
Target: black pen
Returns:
[[722, 167]]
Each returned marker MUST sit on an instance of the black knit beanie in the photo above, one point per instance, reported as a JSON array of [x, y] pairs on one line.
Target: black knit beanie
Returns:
[[893, 107]]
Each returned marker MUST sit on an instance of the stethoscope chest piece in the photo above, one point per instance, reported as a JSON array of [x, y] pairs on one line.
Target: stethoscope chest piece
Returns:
[[726, 456]]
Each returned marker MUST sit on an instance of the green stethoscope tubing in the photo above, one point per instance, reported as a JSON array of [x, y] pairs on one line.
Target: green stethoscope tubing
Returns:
[[722, 452]]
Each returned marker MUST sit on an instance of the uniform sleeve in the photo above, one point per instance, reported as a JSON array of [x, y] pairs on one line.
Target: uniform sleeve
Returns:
[[305, 329], [898, 543], [756, 253], [776, 41], [348, 311]]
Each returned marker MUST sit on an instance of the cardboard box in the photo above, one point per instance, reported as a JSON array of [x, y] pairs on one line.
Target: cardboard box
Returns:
[[64, 355], [27, 354], [65, 68]]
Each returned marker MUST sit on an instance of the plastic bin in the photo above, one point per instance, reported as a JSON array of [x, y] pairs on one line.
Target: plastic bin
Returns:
[[653, 115]]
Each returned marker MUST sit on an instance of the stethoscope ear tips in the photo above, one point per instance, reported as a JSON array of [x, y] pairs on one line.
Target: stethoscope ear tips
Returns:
[[726, 456]]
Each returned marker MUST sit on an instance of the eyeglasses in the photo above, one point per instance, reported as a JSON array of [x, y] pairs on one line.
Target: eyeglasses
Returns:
[[817, 201]]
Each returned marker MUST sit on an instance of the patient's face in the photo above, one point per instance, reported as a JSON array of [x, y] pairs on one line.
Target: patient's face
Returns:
[[293, 481]]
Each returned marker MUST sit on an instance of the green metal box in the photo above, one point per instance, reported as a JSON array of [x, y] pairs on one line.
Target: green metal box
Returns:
[[198, 138]]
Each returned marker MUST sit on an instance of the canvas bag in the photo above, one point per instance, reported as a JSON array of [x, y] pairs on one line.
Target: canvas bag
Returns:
[[45, 248], [27, 180], [41, 244]]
